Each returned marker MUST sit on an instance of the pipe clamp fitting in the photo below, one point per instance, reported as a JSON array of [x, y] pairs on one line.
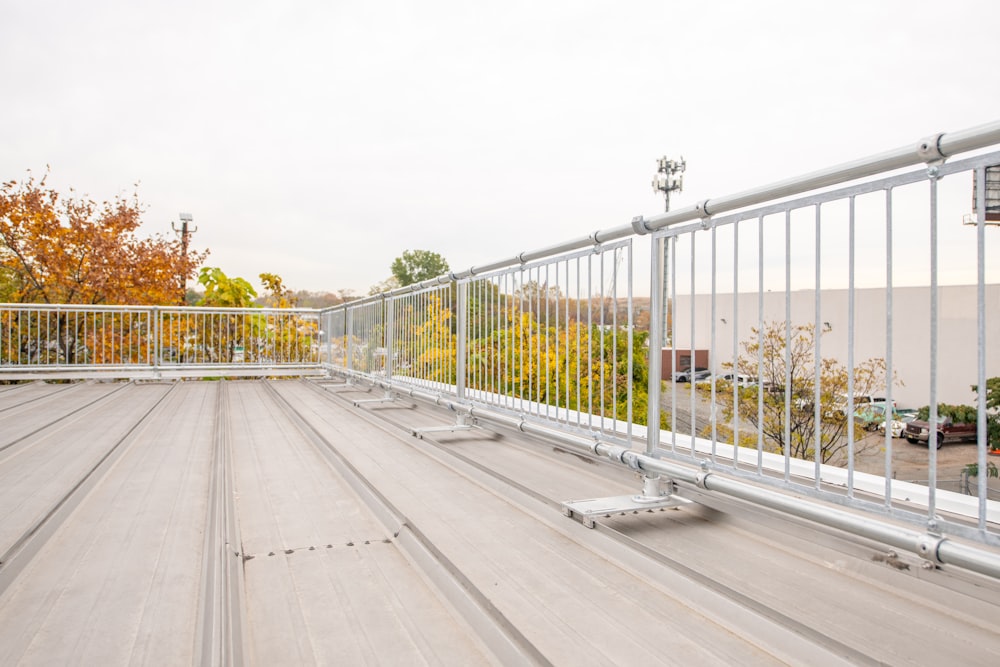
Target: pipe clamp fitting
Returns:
[[639, 225], [929, 149], [617, 454], [631, 459], [927, 547]]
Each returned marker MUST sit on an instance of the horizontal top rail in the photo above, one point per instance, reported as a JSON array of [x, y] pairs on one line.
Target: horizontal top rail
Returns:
[[929, 150], [80, 307]]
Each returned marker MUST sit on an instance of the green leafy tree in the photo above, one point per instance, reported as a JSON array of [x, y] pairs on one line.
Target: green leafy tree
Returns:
[[992, 393], [223, 291], [782, 406], [959, 414], [221, 343], [415, 266], [992, 428], [992, 411], [250, 336]]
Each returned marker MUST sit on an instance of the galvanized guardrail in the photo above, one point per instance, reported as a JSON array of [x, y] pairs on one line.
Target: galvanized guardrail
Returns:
[[551, 339], [519, 341], [774, 287], [70, 341]]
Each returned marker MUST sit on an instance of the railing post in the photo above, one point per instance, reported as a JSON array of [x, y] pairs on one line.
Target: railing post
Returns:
[[326, 323], [157, 343], [462, 310], [390, 335], [652, 484], [349, 335], [656, 319]]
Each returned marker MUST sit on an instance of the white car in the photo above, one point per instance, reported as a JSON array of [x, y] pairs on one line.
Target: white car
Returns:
[[898, 423], [738, 379]]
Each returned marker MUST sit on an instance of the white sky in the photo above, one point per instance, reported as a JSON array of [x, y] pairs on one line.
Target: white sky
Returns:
[[319, 140]]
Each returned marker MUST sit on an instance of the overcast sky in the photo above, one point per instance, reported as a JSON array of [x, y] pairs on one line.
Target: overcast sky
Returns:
[[319, 140]]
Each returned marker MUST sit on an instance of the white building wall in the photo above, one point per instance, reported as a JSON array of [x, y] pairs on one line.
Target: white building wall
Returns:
[[911, 317]]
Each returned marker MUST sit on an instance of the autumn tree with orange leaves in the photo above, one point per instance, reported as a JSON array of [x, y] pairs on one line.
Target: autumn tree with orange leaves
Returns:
[[66, 250]]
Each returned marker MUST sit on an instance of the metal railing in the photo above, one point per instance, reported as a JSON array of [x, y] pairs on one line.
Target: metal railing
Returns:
[[802, 292], [70, 341], [758, 282], [552, 340], [819, 331]]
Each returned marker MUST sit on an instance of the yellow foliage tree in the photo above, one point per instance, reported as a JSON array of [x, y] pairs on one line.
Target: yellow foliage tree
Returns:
[[66, 250]]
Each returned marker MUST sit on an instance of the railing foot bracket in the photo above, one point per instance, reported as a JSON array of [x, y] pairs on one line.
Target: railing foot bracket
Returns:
[[463, 423], [589, 510], [419, 432], [388, 398]]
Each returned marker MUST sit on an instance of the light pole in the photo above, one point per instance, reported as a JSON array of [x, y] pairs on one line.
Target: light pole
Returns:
[[185, 234]]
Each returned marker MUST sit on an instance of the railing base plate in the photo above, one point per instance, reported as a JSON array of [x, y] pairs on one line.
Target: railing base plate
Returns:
[[589, 510], [419, 432], [368, 401]]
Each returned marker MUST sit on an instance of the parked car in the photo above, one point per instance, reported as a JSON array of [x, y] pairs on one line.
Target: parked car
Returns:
[[861, 404], [871, 415], [947, 431], [689, 375], [736, 378], [900, 418], [701, 375]]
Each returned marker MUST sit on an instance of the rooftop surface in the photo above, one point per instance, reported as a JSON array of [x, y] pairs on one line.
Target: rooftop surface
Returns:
[[275, 522]]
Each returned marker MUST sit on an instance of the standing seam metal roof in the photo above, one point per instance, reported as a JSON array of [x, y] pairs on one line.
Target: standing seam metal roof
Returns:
[[272, 522]]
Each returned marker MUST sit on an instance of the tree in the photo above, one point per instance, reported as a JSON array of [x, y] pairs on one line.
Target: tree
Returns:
[[793, 407], [277, 295], [225, 292], [245, 336], [8, 285], [428, 346], [959, 414], [386, 285], [992, 411], [571, 365], [68, 250], [415, 266], [307, 299]]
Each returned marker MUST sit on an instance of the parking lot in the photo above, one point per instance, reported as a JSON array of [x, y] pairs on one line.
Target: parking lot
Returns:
[[909, 461]]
